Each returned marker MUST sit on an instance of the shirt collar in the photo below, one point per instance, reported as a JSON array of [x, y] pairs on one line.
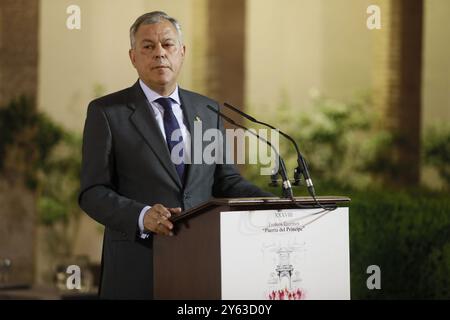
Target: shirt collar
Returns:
[[152, 95]]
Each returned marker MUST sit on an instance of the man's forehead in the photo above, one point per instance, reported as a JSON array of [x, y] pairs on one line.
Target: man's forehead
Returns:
[[162, 28]]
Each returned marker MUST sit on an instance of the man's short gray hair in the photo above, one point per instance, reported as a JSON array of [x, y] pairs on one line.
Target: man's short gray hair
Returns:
[[151, 18]]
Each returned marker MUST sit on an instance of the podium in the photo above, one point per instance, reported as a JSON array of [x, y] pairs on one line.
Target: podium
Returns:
[[255, 248]]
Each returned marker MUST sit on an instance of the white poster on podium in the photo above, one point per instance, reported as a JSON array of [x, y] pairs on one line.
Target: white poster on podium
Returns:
[[285, 254]]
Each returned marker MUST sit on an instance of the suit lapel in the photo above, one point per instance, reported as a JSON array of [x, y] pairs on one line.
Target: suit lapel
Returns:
[[190, 111], [145, 122]]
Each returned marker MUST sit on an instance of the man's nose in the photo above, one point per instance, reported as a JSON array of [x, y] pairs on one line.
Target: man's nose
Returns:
[[159, 51]]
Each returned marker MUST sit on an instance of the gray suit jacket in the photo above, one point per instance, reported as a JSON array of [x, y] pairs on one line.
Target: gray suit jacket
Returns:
[[126, 166]]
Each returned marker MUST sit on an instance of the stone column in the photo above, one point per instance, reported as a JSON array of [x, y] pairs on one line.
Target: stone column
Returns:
[[397, 87], [226, 39], [18, 49], [18, 76]]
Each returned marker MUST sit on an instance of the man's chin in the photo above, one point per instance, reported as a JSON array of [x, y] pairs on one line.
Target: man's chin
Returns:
[[162, 79], [159, 81], [163, 83]]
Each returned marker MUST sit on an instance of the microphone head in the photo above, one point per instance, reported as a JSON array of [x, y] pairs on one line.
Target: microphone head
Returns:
[[274, 179], [297, 177]]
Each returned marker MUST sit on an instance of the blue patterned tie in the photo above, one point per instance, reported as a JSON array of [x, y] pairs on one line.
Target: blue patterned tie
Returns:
[[170, 125]]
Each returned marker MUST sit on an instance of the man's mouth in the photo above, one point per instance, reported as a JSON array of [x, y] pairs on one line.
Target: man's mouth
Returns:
[[161, 67]]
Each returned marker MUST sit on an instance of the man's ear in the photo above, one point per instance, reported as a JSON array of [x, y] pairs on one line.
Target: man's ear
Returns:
[[131, 53], [183, 50]]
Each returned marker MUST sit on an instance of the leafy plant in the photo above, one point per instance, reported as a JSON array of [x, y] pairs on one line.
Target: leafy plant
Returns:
[[436, 151], [340, 141], [344, 146], [48, 158], [26, 139], [57, 200], [407, 234]]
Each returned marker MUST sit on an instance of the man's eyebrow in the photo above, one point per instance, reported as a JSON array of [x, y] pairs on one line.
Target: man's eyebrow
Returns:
[[146, 40]]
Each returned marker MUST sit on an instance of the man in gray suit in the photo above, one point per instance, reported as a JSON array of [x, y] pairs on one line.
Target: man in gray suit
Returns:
[[129, 182]]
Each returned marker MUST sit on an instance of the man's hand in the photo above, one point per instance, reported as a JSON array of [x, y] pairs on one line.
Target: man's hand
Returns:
[[156, 219]]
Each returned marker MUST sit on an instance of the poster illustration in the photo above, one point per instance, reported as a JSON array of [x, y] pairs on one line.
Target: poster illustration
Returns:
[[285, 254]]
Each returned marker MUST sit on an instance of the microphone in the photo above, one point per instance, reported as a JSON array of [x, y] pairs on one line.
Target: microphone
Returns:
[[302, 168], [286, 185]]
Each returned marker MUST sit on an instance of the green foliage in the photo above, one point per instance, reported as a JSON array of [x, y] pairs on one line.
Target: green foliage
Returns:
[[30, 134], [51, 210], [436, 151], [344, 146], [339, 140], [59, 186], [51, 157], [60, 175], [407, 235]]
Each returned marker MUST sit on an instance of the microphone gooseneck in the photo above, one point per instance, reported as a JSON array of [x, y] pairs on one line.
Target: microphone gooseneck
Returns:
[[286, 185], [301, 162]]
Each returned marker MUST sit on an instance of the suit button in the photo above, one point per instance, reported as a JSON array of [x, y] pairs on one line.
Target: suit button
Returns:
[[186, 196]]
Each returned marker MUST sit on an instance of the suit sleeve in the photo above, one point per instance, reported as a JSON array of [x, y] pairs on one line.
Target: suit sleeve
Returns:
[[228, 183], [98, 197]]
